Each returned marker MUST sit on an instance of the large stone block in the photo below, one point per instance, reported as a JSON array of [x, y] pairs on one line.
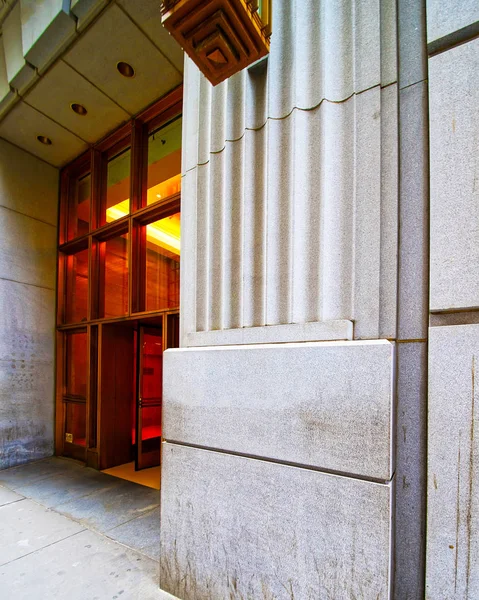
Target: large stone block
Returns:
[[445, 17], [454, 131], [20, 74], [453, 467], [47, 27], [28, 185], [86, 10], [27, 249], [234, 527], [325, 404]]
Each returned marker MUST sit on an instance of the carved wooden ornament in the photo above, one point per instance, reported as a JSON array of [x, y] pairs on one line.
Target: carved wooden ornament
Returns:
[[221, 36]]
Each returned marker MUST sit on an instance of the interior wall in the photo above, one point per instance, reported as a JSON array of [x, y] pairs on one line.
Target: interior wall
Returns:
[[28, 239]]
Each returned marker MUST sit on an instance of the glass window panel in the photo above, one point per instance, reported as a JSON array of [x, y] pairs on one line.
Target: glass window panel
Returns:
[[76, 367], [162, 281], [164, 162], [76, 287], [118, 186], [79, 208], [75, 423], [116, 277]]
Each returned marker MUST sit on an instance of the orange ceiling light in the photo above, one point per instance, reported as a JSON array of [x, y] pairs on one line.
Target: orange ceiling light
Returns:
[[221, 36]]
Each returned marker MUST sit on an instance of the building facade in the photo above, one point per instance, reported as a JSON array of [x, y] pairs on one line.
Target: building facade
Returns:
[[319, 423]]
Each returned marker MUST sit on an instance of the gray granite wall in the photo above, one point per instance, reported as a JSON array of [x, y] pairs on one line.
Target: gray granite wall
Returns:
[[453, 447], [28, 238]]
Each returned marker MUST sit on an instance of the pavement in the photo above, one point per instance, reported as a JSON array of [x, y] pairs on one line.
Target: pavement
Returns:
[[67, 531]]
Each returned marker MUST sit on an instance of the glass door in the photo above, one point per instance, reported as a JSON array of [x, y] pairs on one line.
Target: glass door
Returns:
[[149, 396]]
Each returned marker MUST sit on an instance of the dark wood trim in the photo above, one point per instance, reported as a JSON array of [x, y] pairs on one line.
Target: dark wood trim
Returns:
[[137, 316], [139, 154], [113, 229], [158, 210], [116, 140], [96, 188], [59, 408], [174, 98], [75, 246]]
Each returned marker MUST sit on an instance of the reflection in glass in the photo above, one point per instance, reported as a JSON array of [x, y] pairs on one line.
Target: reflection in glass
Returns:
[[79, 208], [116, 276], [76, 364], [75, 423], [118, 186], [76, 287], [164, 162], [162, 281]]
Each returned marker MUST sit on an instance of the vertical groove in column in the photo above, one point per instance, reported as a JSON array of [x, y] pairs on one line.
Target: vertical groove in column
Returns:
[[216, 235], [388, 275], [189, 222], [217, 116], [337, 75], [308, 17], [204, 124], [367, 213], [254, 198], [281, 67], [216, 205], [254, 228], [306, 210], [233, 235], [235, 106], [278, 235], [337, 208], [233, 203], [202, 248]]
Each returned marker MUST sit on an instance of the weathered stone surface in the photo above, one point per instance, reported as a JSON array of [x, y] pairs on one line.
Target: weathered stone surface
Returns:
[[413, 288], [411, 440], [325, 404], [447, 16], [27, 325], [237, 527], [453, 467], [454, 131]]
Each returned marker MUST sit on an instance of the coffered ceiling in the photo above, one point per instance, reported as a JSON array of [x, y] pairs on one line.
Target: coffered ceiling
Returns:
[[68, 54]]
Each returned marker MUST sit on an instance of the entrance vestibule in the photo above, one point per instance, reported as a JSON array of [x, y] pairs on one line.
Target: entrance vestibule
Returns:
[[118, 292]]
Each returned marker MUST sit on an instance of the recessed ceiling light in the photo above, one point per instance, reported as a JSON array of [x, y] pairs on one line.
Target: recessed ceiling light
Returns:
[[79, 109], [43, 139], [125, 69]]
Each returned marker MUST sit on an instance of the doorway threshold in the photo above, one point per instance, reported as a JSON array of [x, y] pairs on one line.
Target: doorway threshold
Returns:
[[147, 477]]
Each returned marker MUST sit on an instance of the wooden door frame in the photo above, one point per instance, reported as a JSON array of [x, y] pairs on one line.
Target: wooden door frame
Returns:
[[135, 132]]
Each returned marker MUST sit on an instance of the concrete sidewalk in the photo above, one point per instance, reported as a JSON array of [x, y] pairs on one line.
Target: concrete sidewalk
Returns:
[[67, 531]]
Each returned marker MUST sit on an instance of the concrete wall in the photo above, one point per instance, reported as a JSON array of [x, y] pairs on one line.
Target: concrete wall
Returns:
[[28, 238], [453, 447], [294, 414]]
